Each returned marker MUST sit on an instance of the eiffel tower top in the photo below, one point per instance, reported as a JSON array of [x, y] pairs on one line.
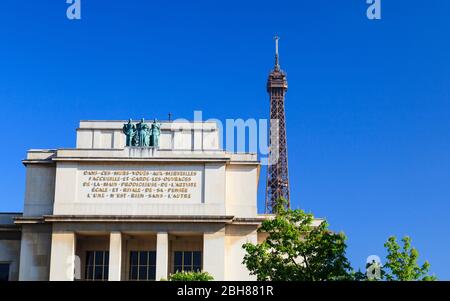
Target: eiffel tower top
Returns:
[[277, 58], [277, 77]]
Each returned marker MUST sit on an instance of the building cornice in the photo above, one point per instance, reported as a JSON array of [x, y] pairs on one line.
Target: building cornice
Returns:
[[124, 218], [43, 162], [173, 160], [223, 219], [10, 228], [93, 159], [23, 220]]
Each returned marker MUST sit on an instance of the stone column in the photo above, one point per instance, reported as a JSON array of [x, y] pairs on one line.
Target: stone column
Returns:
[[214, 254], [62, 258], [35, 249], [115, 256], [162, 255]]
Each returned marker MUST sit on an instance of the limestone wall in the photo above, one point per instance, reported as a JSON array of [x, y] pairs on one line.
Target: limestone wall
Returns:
[[10, 253], [39, 189], [35, 253], [214, 189], [174, 135]]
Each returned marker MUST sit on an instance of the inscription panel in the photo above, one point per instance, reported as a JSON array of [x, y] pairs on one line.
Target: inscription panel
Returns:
[[155, 184]]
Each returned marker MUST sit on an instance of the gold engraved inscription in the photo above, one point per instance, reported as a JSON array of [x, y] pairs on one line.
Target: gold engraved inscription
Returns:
[[138, 184]]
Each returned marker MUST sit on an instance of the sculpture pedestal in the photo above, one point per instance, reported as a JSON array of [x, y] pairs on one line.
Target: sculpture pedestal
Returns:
[[142, 152]]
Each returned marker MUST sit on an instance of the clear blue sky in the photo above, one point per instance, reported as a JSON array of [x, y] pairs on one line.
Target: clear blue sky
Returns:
[[368, 109]]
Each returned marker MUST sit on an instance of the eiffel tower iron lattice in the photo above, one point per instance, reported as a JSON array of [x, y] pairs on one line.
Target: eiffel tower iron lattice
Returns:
[[277, 185]]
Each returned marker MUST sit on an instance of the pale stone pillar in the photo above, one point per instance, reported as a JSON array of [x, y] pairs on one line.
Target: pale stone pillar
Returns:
[[214, 254], [115, 256], [62, 258], [162, 255], [35, 252]]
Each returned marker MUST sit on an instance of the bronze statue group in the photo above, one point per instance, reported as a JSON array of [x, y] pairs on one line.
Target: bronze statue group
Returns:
[[141, 134]]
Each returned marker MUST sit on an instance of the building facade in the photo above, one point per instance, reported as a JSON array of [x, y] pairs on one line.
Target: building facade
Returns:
[[114, 212]]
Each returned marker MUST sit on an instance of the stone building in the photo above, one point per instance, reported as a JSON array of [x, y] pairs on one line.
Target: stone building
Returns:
[[112, 212]]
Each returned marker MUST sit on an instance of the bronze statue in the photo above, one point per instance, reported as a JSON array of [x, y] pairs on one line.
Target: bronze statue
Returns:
[[129, 130], [143, 134], [156, 132]]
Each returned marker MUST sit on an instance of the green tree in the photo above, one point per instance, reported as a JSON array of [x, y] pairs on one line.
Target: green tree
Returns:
[[297, 250], [401, 263], [191, 276]]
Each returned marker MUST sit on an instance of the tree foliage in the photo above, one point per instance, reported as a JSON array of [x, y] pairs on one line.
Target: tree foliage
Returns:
[[401, 263], [191, 276], [297, 250]]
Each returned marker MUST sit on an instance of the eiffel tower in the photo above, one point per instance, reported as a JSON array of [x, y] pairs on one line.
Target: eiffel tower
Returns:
[[277, 170]]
